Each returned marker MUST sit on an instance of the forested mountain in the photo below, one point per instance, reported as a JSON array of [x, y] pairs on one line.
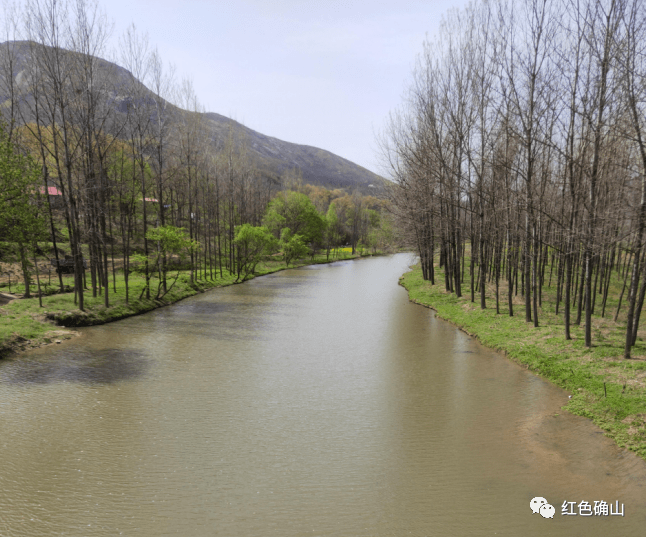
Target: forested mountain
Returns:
[[119, 169], [270, 156]]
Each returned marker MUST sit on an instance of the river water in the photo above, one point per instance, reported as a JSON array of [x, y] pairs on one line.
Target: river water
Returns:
[[316, 401]]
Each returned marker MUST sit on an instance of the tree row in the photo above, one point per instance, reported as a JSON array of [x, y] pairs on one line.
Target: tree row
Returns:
[[520, 151]]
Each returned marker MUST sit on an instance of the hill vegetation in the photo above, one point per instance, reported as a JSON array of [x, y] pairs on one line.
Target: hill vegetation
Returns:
[[122, 90], [109, 182]]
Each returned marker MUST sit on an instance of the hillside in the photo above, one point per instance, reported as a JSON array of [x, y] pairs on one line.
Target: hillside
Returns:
[[270, 155], [319, 167]]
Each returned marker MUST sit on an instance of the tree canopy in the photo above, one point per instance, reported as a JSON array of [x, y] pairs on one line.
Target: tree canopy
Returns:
[[19, 176], [295, 211]]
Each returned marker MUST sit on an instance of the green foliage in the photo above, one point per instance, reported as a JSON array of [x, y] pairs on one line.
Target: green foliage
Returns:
[[331, 218], [253, 243], [21, 220], [604, 387], [380, 234], [138, 262], [125, 171], [331, 233], [173, 240], [295, 211], [292, 245]]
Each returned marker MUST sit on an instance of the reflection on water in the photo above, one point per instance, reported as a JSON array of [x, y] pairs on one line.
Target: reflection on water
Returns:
[[316, 401], [76, 365]]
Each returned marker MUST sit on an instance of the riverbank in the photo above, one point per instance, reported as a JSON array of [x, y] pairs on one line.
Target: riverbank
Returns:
[[606, 388], [25, 325]]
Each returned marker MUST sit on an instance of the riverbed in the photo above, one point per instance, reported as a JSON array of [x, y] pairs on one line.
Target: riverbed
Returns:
[[315, 401]]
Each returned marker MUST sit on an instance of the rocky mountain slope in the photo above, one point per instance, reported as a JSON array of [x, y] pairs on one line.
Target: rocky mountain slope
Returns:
[[273, 157]]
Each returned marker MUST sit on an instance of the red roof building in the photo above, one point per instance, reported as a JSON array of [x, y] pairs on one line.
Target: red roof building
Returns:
[[51, 191]]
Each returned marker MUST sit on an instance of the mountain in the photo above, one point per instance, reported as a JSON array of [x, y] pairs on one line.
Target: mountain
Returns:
[[273, 157], [318, 166]]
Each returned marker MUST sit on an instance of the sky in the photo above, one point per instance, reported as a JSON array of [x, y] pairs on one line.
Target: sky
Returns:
[[324, 73]]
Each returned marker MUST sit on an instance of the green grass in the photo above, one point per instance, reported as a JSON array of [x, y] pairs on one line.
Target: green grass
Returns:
[[24, 324], [619, 409]]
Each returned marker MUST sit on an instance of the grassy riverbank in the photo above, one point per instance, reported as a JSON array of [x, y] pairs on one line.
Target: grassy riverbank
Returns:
[[24, 324], [605, 388]]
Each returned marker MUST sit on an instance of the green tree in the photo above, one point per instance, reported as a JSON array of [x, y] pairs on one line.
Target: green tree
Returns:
[[253, 243], [21, 221], [379, 234], [292, 245], [172, 240], [295, 211], [331, 233]]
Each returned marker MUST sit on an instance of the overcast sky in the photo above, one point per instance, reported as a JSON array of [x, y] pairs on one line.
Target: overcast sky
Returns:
[[324, 73]]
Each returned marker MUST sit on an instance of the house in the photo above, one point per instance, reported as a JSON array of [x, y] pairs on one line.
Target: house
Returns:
[[54, 195]]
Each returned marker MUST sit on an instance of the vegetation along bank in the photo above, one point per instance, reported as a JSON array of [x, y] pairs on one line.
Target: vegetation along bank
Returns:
[[605, 387], [519, 157], [115, 200], [26, 324]]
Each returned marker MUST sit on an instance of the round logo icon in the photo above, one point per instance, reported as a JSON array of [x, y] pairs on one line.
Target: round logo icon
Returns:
[[547, 511], [537, 503]]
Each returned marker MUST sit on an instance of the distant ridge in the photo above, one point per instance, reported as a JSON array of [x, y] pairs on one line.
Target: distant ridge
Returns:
[[318, 166], [272, 157]]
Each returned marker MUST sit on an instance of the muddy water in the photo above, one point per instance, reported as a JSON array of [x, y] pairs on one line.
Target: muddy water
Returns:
[[316, 401]]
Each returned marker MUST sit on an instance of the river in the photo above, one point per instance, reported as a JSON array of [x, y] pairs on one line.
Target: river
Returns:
[[316, 401]]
